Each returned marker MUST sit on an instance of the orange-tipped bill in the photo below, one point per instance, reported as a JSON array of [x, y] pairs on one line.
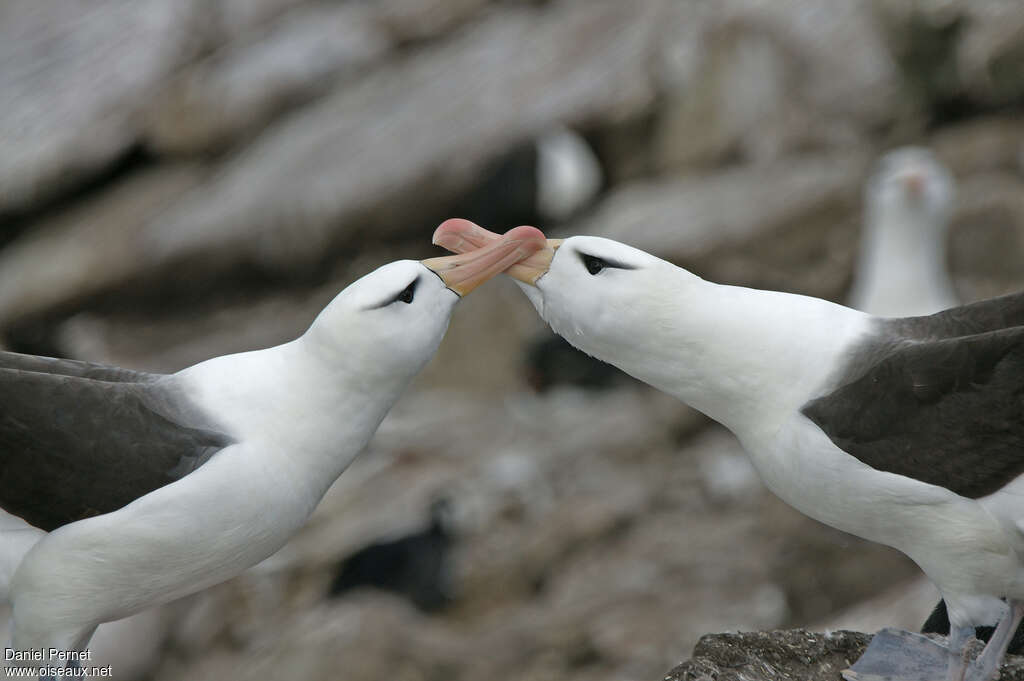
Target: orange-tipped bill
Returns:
[[476, 264], [462, 236]]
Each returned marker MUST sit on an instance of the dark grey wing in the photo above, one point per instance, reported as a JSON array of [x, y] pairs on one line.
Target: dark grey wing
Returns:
[[1004, 312], [73, 447], [948, 412], [72, 367]]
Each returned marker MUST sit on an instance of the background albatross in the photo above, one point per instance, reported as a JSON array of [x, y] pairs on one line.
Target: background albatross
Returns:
[[152, 487], [905, 431]]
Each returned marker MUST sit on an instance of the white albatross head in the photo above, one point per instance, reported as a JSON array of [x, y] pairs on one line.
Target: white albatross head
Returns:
[[911, 181], [391, 321]]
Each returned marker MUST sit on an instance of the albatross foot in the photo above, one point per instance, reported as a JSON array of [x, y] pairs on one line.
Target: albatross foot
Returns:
[[897, 655]]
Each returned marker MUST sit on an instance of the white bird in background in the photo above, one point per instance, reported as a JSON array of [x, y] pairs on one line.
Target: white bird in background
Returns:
[[905, 431], [901, 270], [139, 488]]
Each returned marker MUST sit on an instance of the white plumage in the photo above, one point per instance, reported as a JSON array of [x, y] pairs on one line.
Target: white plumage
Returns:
[[928, 409]]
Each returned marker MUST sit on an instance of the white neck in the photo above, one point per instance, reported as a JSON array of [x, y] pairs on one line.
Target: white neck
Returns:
[[902, 267], [742, 356], [311, 409]]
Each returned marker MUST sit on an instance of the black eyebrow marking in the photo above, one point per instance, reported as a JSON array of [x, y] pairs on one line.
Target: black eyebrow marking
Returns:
[[614, 264], [414, 283]]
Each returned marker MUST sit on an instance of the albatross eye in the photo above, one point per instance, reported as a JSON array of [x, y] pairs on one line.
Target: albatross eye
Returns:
[[593, 265], [407, 293]]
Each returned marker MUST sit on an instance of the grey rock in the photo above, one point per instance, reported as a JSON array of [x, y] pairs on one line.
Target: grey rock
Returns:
[[73, 81], [991, 56], [904, 606], [759, 79], [411, 20], [958, 49], [236, 18], [982, 145], [987, 235], [330, 172], [790, 655], [235, 91], [89, 247], [802, 210]]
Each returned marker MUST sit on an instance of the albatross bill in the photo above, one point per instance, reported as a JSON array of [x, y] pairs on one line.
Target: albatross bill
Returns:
[[471, 267], [904, 431]]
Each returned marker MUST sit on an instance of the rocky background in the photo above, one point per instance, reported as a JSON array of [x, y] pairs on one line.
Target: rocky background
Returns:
[[186, 178]]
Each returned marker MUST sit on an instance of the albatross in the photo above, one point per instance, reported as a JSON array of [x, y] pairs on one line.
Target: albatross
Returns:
[[901, 269], [906, 431], [137, 488]]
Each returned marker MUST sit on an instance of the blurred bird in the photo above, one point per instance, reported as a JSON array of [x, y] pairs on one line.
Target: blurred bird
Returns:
[[905, 431], [901, 269], [414, 566], [544, 181], [151, 487]]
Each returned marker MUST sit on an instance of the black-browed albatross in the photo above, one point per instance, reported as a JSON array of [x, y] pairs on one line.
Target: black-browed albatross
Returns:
[[140, 488], [901, 270], [904, 431]]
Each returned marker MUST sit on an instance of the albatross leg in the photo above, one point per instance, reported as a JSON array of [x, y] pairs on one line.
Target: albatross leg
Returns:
[[958, 638], [985, 667], [896, 654]]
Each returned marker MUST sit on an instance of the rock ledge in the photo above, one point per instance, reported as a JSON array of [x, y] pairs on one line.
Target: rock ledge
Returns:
[[790, 655]]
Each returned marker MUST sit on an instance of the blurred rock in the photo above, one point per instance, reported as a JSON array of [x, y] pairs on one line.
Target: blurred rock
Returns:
[[328, 174], [756, 80], [904, 606], [410, 20], [958, 56], [74, 80], [242, 86], [744, 225], [982, 145], [987, 238], [368, 638], [236, 18], [89, 247], [991, 58]]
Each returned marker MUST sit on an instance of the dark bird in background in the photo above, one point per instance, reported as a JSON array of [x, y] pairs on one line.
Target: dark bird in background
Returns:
[[415, 566], [544, 181], [551, 361]]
